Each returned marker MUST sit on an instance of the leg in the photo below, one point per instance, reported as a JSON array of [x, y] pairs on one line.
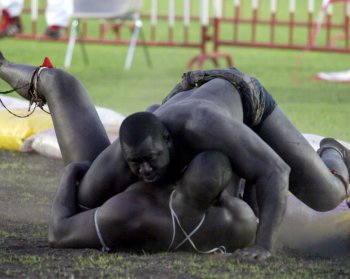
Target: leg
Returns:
[[58, 12], [57, 15], [10, 23], [310, 179], [80, 133]]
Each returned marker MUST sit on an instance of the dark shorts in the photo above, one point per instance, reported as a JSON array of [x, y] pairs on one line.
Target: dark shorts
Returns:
[[257, 103]]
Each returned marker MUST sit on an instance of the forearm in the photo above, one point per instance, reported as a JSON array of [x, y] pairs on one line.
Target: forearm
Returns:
[[68, 227], [64, 204], [272, 200]]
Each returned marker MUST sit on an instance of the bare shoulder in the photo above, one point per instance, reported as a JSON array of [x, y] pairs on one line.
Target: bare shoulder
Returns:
[[109, 173], [112, 157], [140, 195]]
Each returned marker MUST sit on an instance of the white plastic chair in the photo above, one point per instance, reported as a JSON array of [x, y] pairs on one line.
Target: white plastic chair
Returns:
[[106, 9]]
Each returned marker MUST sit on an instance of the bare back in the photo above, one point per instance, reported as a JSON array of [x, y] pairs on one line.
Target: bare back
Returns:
[[218, 96], [182, 113]]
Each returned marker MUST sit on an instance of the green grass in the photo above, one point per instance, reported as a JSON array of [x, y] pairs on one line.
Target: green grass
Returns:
[[313, 106]]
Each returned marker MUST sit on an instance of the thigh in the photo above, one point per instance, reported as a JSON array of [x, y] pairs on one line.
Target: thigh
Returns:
[[80, 133], [310, 179]]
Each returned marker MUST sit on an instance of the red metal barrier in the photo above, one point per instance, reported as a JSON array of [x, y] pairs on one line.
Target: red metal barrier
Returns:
[[292, 24], [311, 27]]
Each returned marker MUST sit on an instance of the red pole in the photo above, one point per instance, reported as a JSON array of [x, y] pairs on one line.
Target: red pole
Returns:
[[255, 16], [310, 25], [102, 31], [216, 33], [170, 33], [346, 30], [204, 39], [186, 33], [236, 22], [272, 23], [346, 24], [328, 28], [153, 33], [84, 31], [291, 28], [34, 27]]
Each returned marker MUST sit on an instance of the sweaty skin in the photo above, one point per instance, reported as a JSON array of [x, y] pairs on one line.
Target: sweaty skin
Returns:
[[272, 159], [139, 219]]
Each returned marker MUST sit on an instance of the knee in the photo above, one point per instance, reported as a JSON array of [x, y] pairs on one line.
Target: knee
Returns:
[[323, 202], [282, 171], [285, 171], [276, 176], [322, 191]]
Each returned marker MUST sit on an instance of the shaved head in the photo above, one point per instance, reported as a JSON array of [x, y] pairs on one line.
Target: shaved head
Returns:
[[138, 126], [146, 146]]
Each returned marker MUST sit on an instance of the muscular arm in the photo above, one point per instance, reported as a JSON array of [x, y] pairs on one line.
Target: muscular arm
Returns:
[[68, 227], [107, 176], [253, 160]]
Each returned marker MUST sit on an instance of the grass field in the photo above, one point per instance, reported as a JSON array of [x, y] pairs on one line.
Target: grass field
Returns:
[[28, 181], [313, 106]]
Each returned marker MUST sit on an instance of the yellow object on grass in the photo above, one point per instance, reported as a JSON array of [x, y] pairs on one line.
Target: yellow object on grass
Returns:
[[14, 130]]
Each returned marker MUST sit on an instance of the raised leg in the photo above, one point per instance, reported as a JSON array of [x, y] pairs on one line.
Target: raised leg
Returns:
[[80, 133], [310, 179]]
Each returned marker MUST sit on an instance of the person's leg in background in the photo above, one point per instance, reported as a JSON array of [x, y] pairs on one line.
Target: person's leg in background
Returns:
[[10, 24], [57, 14]]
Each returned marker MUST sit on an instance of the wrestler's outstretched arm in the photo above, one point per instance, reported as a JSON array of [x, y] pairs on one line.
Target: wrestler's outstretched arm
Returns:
[[252, 159], [68, 227]]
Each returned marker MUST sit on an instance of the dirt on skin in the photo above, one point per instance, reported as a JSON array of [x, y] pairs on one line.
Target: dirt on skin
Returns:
[[27, 187]]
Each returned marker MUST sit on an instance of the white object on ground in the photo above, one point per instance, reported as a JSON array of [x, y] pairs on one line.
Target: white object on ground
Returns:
[[343, 76], [46, 144]]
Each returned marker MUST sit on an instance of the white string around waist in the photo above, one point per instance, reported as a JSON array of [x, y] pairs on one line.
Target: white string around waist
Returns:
[[174, 217], [104, 248]]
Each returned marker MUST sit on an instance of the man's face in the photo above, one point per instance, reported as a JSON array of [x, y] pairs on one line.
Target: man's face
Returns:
[[148, 160]]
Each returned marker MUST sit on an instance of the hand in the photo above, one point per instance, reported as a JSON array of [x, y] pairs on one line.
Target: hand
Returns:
[[255, 252]]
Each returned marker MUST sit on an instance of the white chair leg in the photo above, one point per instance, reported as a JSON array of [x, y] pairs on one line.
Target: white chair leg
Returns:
[[71, 43], [133, 42]]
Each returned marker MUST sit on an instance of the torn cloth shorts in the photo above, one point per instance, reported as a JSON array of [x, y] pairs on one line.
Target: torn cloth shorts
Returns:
[[257, 103]]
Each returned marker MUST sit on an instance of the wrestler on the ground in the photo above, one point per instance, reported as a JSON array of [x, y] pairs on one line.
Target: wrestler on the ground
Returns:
[[190, 213], [226, 111]]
